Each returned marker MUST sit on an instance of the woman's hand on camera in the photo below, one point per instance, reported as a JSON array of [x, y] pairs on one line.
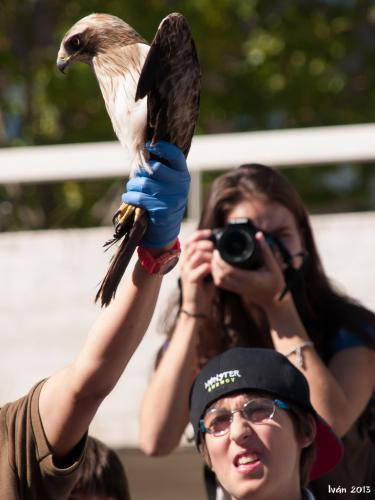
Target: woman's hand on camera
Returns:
[[262, 286], [197, 293]]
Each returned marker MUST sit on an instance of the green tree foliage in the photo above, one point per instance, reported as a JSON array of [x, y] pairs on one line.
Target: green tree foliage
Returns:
[[266, 64]]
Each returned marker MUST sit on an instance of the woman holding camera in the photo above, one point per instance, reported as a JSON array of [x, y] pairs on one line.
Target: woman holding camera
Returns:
[[287, 304]]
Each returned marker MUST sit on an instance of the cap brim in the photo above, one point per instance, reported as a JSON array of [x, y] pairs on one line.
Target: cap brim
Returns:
[[329, 450]]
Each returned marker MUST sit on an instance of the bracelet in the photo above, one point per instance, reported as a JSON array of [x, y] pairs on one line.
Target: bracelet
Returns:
[[193, 315], [298, 351]]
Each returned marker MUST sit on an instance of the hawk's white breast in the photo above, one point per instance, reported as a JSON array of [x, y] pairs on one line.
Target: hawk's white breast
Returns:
[[118, 74]]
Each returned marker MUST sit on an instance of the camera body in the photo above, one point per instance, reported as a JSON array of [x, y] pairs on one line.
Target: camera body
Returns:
[[237, 244]]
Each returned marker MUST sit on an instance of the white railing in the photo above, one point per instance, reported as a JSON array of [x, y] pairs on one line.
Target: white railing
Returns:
[[293, 147]]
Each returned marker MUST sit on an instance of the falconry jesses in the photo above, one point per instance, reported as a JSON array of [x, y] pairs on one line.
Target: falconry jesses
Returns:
[[150, 92]]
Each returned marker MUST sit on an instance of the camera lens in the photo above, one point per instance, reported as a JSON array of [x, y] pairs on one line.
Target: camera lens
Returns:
[[236, 246]]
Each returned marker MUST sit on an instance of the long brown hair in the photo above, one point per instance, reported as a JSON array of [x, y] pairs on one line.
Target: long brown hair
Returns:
[[325, 309]]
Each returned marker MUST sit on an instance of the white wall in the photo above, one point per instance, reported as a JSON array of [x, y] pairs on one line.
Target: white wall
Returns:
[[48, 281]]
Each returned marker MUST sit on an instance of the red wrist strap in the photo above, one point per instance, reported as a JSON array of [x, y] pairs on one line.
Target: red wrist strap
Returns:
[[152, 264]]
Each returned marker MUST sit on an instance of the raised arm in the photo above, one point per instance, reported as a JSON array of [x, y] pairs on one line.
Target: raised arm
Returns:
[[164, 409], [70, 399]]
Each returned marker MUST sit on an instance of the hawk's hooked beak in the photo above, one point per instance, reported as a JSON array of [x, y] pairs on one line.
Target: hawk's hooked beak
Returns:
[[62, 62]]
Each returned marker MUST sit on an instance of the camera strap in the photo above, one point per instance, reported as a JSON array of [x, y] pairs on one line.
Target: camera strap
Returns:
[[293, 276]]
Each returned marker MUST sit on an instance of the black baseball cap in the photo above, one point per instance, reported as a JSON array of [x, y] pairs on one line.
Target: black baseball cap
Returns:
[[251, 369]]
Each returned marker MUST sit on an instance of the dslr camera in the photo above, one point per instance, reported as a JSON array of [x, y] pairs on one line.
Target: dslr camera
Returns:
[[237, 244]]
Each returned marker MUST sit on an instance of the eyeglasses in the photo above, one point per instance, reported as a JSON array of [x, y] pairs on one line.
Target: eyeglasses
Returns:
[[217, 421]]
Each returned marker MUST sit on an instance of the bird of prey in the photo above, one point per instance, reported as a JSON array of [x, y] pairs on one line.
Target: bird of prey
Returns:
[[151, 93]]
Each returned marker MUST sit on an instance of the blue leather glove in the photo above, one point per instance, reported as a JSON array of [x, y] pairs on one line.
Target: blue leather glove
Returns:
[[163, 193]]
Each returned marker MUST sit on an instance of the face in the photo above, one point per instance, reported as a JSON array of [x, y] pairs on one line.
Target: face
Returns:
[[274, 218], [256, 460]]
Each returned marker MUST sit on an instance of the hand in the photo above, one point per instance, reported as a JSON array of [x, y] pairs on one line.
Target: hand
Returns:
[[197, 294], [163, 193], [261, 287]]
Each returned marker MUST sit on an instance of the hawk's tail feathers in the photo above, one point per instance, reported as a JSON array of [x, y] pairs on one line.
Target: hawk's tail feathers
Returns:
[[132, 233]]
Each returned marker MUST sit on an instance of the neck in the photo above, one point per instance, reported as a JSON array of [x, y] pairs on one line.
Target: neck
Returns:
[[119, 70], [118, 74]]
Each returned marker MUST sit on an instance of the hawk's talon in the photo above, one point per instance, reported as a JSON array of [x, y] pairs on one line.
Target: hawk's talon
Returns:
[[138, 212], [122, 214], [126, 213], [119, 211]]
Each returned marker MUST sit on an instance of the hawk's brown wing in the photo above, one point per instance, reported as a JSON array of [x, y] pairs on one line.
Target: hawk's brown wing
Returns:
[[170, 78]]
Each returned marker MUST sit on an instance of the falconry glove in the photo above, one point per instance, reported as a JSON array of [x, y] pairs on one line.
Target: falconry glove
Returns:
[[163, 193]]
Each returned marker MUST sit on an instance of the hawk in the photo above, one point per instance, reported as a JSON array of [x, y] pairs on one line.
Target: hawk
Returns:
[[151, 93]]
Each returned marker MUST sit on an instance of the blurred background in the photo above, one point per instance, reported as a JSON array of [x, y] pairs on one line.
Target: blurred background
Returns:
[[266, 66]]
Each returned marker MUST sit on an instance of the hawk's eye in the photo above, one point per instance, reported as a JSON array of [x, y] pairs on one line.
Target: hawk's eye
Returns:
[[75, 43]]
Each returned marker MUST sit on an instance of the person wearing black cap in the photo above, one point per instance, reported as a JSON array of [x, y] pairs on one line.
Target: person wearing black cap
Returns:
[[256, 428]]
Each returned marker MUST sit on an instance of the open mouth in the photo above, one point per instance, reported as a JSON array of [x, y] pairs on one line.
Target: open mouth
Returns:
[[246, 462]]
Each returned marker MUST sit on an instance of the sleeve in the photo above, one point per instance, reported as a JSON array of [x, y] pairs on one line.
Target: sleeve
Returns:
[[31, 456], [344, 339]]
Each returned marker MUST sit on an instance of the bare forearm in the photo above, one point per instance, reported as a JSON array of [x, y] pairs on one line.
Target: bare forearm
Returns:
[[164, 410], [327, 394], [117, 333]]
